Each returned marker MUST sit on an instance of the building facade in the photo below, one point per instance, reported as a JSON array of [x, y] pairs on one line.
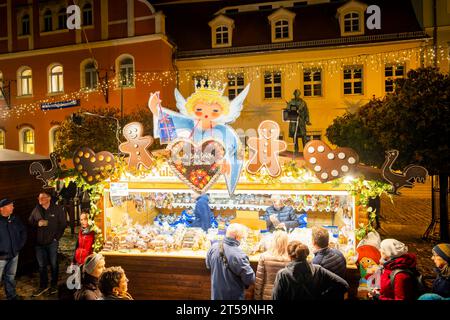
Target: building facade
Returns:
[[336, 52], [48, 71]]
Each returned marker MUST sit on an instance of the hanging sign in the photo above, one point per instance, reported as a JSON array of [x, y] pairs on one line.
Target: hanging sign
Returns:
[[60, 105], [118, 189]]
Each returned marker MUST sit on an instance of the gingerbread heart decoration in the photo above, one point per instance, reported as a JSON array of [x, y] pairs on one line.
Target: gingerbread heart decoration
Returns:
[[328, 164], [197, 165], [93, 167]]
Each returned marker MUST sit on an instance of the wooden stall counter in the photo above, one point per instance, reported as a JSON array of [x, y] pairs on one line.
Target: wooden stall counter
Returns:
[[180, 275]]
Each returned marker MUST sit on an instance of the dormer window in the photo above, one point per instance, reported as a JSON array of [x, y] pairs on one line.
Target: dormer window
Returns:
[[221, 31], [351, 18], [282, 22]]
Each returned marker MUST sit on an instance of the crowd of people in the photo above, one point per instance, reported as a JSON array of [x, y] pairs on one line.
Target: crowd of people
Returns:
[[286, 271]]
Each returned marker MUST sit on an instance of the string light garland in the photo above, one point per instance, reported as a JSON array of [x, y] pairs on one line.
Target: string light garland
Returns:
[[422, 54]]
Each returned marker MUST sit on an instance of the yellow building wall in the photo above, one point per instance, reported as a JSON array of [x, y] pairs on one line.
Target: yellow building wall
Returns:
[[322, 109]]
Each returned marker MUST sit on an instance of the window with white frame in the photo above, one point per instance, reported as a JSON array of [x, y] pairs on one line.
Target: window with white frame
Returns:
[[27, 142], [25, 25], [62, 19], [56, 80], [235, 84], [391, 73], [272, 85], [222, 35], [48, 21], [2, 139], [353, 80], [126, 72], [282, 29], [90, 75], [25, 82], [52, 138], [87, 14], [351, 22], [312, 82]]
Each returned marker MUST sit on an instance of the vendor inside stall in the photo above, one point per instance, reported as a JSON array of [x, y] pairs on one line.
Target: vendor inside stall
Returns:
[[202, 212], [280, 216]]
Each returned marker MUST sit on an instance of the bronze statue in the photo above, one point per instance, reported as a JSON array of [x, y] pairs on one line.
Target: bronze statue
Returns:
[[297, 127]]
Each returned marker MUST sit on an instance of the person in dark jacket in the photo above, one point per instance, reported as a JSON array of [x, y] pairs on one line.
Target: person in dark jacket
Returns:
[[441, 258], [50, 221], [280, 216], [301, 280], [113, 284], [202, 213], [12, 239], [331, 259], [92, 270], [394, 256], [230, 268], [85, 240]]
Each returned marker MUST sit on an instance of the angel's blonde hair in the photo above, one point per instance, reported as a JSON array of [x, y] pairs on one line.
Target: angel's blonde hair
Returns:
[[208, 96]]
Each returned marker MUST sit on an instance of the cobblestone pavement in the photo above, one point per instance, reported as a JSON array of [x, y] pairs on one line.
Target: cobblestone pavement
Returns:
[[405, 219]]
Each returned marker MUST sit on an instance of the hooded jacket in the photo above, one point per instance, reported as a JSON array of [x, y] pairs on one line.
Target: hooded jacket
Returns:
[[89, 289], [202, 213], [13, 235], [83, 246], [441, 285], [307, 281], [404, 284]]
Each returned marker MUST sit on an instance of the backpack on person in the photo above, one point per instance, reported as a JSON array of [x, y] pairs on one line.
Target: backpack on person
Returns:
[[415, 275]]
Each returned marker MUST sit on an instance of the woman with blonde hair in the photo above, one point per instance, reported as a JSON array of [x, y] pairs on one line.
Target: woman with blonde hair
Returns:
[[270, 262]]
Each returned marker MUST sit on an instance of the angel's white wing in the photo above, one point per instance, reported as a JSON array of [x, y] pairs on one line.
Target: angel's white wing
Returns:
[[181, 102], [235, 107]]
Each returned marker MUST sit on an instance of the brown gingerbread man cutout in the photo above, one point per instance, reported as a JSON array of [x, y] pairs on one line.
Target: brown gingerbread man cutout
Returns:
[[136, 145], [264, 151]]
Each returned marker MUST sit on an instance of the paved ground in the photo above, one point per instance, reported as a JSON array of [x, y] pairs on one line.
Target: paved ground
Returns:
[[406, 219]]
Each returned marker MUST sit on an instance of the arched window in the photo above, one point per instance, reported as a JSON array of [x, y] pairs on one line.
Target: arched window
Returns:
[[87, 14], [26, 138], [351, 22], [62, 19], [222, 35], [26, 25], [282, 29], [90, 75], [2, 139], [25, 82], [52, 138], [56, 81], [48, 23], [126, 72]]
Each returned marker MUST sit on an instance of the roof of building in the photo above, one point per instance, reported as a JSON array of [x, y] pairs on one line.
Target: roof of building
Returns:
[[7, 155], [315, 25]]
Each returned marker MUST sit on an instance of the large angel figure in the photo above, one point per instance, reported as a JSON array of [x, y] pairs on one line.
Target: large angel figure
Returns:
[[205, 115]]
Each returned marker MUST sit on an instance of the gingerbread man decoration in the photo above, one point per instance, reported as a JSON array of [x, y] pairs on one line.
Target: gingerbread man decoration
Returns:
[[136, 145], [264, 151]]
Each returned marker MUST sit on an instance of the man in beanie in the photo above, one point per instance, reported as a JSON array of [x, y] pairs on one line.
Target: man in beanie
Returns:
[[441, 258], [93, 267], [400, 266], [12, 239]]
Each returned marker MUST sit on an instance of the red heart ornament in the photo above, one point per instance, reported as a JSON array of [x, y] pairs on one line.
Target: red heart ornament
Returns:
[[197, 165], [93, 167], [328, 164]]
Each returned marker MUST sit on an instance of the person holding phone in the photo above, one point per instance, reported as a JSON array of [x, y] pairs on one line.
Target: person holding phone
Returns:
[[50, 221]]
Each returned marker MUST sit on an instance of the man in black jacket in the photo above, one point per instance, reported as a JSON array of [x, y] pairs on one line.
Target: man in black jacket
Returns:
[[50, 221], [12, 239]]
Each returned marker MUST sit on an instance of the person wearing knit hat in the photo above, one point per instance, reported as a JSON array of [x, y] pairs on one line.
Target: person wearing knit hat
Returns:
[[93, 267], [391, 249], [398, 278], [441, 258]]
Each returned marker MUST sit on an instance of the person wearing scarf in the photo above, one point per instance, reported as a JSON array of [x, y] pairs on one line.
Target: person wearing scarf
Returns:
[[85, 240], [441, 258], [92, 269]]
